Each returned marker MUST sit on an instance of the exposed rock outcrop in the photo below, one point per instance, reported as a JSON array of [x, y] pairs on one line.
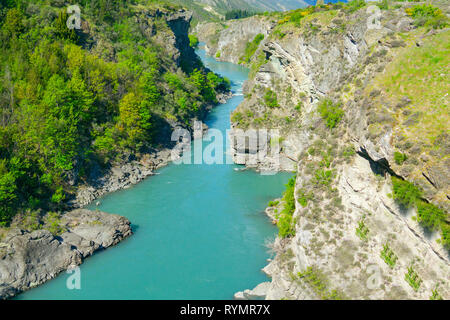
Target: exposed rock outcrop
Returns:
[[28, 259], [228, 44]]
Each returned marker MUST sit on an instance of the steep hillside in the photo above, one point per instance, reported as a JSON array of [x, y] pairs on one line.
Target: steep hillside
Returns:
[[84, 112], [77, 102], [256, 5], [363, 114]]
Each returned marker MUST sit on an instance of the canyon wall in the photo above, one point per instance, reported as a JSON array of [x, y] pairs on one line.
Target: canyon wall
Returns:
[[336, 62]]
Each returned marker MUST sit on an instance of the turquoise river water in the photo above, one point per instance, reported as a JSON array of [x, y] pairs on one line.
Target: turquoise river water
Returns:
[[199, 230]]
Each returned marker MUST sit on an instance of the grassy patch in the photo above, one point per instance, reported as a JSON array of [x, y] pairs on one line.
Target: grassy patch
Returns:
[[421, 73], [53, 223]]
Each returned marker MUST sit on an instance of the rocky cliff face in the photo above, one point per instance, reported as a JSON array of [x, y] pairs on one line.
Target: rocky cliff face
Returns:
[[28, 259], [227, 42], [345, 221]]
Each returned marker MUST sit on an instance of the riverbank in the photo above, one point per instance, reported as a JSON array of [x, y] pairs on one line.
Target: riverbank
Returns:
[[206, 218], [132, 172], [82, 232], [28, 259]]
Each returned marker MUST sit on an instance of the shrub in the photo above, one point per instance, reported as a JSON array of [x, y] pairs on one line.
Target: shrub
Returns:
[[331, 112], [286, 223], [406, 193], [193, 40], [323, 177], [445, 233], [435, 295], [270, 98], [273, 203], [427, 15], [237, 117], [413, 278], [388, 255], [429, 215], [399, 157], [303, 197], [53, 223], [316, 279], [286, 226], [362, 230]]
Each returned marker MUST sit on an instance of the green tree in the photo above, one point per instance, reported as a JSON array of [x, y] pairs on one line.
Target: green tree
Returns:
[[135, 119], [13, 24], [61, 29]]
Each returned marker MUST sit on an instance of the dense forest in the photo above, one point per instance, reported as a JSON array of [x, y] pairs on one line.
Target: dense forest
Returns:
[[73, 99], [238, 14]]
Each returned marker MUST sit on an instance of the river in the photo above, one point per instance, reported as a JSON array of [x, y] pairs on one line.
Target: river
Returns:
[[199, 230]]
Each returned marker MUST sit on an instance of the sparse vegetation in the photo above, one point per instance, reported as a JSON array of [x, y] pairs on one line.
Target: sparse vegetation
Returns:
[[388, 255], [303, 197], [362, 230], [53, 223], [435, 295], [413, 278], [316, 280]]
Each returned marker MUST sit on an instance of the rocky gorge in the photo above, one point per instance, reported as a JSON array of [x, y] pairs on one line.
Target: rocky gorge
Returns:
[[35, 249], [349, 237], [28, 259]]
